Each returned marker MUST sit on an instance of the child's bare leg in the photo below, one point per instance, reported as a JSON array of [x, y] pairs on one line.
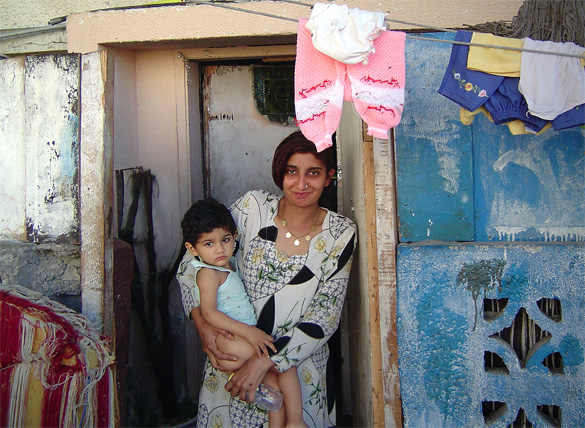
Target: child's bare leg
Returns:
[[293, 401], [237, 347], [275, 419]]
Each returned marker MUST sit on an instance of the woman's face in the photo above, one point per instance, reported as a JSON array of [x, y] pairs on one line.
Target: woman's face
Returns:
[[305, 178]]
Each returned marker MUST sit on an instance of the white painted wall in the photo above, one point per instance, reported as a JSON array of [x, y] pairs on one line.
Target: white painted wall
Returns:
[[126, 143], [12, 150], [52, 146], [204, 25], [39, 149]]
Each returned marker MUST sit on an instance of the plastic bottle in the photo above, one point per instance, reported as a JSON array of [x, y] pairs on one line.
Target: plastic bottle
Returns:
[[268, 398]]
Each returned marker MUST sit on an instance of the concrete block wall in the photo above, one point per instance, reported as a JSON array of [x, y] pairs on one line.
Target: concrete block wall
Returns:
[[448, 335], [46, 268]]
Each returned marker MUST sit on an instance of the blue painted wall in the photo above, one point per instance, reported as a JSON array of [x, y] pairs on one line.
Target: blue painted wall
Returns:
[[433, 153], [442, 333], [528, 187], [480, 182], [519, 204]]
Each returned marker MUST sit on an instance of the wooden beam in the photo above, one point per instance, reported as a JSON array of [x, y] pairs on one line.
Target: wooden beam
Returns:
[[281, 52], [387, 240], [373, 280]]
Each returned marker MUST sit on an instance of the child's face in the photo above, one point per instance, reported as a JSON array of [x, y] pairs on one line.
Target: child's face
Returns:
[[214, 248]]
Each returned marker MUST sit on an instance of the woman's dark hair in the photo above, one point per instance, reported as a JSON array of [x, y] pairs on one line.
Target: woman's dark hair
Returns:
[[297, 143], [204, 216]]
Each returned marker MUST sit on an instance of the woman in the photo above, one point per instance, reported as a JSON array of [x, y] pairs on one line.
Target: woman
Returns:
[[295, 258]]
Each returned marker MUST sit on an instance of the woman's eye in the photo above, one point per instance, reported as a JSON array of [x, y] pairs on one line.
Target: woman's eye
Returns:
[[290, 171]]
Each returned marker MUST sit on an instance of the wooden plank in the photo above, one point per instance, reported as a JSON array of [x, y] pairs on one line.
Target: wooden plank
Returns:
[[353, 196], [433, 153], [282, 52], [384, 301], [373, 281]]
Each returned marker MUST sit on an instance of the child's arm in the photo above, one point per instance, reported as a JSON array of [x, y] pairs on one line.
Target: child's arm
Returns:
[[208, 281]]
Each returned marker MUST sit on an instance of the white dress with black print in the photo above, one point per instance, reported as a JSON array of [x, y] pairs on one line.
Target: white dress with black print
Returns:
[[297, 299]]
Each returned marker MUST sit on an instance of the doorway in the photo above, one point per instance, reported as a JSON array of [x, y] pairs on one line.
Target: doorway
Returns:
[[247, 108]]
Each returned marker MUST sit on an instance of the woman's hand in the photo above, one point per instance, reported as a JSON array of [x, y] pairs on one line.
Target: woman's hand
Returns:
[[243, 383], [208, 334], [260, 341]]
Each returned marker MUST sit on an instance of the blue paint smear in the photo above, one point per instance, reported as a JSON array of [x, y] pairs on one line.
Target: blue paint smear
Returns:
[[441, 331], [531, 182], [429, 206], [571, 351]]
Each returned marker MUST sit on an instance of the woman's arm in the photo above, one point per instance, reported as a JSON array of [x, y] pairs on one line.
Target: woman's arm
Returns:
[[246, 379], [208, 335]]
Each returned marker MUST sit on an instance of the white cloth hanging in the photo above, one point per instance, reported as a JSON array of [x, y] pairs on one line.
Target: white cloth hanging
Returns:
[[344, 34], [551, 84]]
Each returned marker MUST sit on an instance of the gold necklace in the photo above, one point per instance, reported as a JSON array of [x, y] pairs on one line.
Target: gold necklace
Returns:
[[289, 234]]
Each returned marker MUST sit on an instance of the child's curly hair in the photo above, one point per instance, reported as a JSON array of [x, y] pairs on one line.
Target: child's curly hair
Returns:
[[204, 216]]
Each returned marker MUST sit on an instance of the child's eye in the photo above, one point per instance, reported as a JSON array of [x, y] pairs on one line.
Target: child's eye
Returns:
[[227, 239], [208, 244]]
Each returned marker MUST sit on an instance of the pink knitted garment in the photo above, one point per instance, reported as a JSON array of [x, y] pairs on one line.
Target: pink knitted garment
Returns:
[[318, 91], [322, 83], [377, 89]]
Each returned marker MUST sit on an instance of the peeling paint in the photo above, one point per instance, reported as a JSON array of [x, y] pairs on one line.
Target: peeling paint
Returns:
[[551, 234], [52, 134], [442, 340], [531, 188], [12, 149]]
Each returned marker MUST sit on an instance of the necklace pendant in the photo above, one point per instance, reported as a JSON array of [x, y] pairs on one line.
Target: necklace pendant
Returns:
[[307, 238], [288, 235], [296, 242]]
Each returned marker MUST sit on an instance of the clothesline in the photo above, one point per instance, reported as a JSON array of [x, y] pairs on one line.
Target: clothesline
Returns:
[[408, 36]]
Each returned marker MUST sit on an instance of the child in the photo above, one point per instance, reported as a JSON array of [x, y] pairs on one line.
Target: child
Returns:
[[209, 232]]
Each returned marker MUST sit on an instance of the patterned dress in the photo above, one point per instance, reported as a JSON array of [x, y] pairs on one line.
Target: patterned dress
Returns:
[[297, 299]]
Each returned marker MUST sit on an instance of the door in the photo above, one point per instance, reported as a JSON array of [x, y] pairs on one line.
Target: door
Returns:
[[247, 110], [239, 141]]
